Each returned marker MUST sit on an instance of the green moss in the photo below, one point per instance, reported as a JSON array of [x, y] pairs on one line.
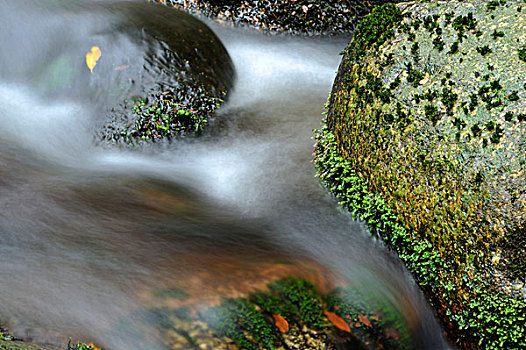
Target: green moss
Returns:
[[294, 299], [464, 23], [302, 295], [492, 320], [250, 323], [164, 119], [522, 53], [497, 34], [492, 5], [484, 50], [239, 320], [374, 30], [432, 113]]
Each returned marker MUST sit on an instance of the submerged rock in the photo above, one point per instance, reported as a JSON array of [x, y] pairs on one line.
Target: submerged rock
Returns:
[[289, 314], [325, 17], [425, 141]]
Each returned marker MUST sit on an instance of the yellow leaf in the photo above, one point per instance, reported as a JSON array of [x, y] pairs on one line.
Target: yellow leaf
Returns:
[[425, 80], [92, 57], [281, 323]]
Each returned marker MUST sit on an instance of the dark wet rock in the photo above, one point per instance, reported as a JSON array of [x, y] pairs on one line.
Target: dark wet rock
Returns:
[[189, 73], [148, 52], [284, 16], [424, 139]]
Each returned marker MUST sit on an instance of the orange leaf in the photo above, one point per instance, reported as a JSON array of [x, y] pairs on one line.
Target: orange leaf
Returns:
[[94, 347], [337, 321], [92, 57], [281, 323], [363, 319]]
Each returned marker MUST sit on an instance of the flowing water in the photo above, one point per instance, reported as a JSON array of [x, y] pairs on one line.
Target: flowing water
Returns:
[[87, 231]]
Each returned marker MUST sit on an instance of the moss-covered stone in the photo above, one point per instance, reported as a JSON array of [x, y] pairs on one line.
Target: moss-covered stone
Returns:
[[425, 141]]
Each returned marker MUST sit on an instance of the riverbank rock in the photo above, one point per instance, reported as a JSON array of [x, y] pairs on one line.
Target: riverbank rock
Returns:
[[424, 139], [326, 17]]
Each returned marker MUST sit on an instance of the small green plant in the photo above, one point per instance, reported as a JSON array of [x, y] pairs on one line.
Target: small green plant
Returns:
[[239, 320], [80, 346], [431, 113], [492, 5], [449, 99], [302, 295], [497, 34], [454, 48], [438, 43], [413, 76], [484, 50], [522, 53], [4, 335], [164, 119], [415, 52]]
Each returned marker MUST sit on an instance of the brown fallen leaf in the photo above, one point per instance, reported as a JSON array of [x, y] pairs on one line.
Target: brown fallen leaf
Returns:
[[92, 57], [123, 67], [281, 323], [337, 321], [393, 333], [363, 319]]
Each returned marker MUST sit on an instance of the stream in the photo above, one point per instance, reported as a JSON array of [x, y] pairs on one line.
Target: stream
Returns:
[[87, 231]]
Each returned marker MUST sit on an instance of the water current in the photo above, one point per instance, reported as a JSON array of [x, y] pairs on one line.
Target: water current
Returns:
[[86, 231]]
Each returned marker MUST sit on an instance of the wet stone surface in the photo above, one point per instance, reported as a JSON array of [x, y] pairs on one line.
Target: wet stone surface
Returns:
[[283, 16]]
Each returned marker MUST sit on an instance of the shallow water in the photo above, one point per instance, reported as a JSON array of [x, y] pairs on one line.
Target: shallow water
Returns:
[[86, 232]]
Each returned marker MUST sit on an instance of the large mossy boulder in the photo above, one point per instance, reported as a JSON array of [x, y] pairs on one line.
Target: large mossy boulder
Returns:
[[425, 140]]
